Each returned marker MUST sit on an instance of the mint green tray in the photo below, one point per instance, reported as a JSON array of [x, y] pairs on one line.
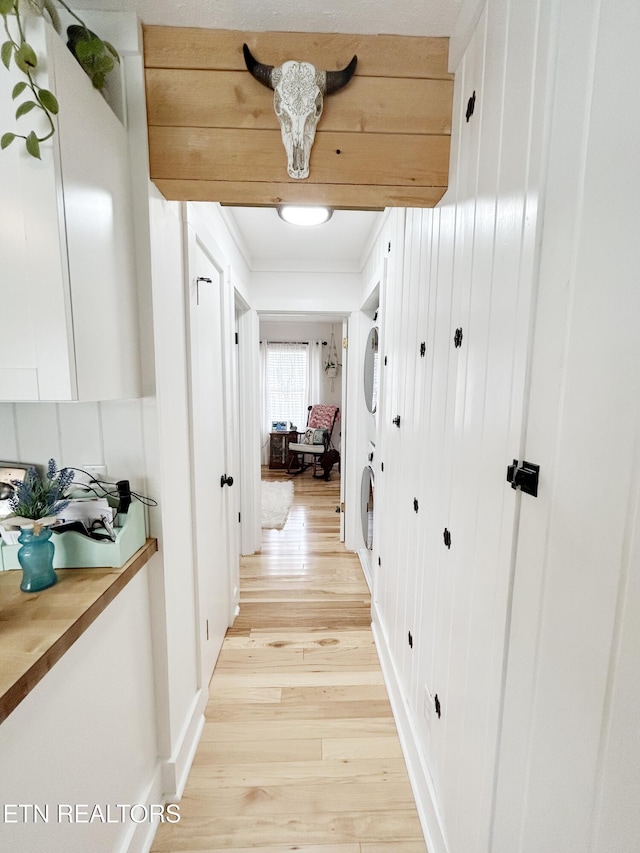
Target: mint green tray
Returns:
[[75, 551]]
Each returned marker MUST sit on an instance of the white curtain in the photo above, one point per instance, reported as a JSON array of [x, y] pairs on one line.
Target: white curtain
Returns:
[[291, 376], [316, 374], [265, 423]]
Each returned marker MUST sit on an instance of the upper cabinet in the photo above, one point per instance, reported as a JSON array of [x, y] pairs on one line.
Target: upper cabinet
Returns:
[[68, 304]]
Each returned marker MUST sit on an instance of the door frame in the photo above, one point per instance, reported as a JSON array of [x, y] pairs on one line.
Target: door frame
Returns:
[[195, 238]]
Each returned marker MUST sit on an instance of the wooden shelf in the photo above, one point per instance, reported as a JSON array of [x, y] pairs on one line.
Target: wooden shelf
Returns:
[[36, 629]]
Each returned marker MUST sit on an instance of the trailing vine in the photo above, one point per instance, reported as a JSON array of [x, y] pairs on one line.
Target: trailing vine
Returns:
[[97, 58]]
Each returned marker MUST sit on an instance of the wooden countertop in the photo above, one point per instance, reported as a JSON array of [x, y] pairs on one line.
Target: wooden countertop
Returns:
[[37, 628]]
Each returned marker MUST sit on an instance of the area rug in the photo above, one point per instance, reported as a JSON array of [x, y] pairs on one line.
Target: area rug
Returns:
[[277, 498]]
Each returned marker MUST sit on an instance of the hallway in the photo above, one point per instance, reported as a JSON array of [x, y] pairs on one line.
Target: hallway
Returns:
[[299, 749]]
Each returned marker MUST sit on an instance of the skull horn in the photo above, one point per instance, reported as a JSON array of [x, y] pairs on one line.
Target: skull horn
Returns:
[[258, 70], [337, 79]]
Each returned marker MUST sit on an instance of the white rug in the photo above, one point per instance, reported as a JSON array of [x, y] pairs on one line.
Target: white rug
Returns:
[[277, 498]]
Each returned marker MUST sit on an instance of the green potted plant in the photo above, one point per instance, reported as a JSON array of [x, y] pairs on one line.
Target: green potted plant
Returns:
[[35, 504], [96, 57]]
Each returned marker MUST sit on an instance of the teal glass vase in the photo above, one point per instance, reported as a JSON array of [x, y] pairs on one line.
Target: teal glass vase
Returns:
[[36, 560]]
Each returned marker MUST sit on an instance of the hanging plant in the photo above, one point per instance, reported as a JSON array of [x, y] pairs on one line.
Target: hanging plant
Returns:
[[97, 58], [331, 364]]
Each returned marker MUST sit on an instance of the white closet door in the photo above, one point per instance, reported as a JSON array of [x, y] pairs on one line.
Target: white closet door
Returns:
[[207, 391]]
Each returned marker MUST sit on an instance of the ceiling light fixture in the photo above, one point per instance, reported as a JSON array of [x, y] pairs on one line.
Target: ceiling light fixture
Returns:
[[304, 216]]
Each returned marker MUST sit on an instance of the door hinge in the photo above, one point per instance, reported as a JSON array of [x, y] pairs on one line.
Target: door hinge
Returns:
[[447, 537], [207, 629], [416, 505], [423, 349], [236, 337], [342, 507], [524, 477], [396, 420], [457, 338], [388, 247], [410, 640], [385, 361], [198, 280], [239, 518], [345, 343]]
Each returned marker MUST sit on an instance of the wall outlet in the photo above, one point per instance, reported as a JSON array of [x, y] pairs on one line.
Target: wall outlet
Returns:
[[94, 472]]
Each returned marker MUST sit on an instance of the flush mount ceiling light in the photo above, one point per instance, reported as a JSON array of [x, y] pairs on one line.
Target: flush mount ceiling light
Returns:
[[305, 216]]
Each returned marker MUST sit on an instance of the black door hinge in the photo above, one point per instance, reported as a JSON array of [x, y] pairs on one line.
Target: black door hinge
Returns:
[[524, 477], [457, 338], [239, 519], [447, 538], [423, 349], [236, 337], [415, 505], [437, 705], [385, 361], [396, 420], [382, 466], [410, 638], [388, 247]]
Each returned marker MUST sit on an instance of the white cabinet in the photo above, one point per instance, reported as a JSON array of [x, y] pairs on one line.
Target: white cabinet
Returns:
[[68, 310]]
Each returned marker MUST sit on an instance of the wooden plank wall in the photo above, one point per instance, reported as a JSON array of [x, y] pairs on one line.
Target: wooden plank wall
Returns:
[[383, 140]]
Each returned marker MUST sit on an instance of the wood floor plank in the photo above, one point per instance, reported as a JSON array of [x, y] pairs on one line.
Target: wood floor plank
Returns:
[[346, 693], [263, 773], [330, 710], [299, 749], [299, 729], [287, 848], [300, 679], [236, 831], [348, 749], [302, 640], [224, 753], [325, 796]]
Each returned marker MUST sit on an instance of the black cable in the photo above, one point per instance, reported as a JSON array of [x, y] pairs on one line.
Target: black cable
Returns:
[[144, 499]]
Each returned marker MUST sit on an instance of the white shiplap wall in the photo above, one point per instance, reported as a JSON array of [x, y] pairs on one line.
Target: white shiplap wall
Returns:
[[527, 627], [78, 434], [468, 264]]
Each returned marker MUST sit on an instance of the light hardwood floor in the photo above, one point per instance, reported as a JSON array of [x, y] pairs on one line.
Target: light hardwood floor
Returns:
[[299, 750]]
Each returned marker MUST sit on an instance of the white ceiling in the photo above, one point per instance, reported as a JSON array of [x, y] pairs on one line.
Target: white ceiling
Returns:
[[407, 17], [271, 243]]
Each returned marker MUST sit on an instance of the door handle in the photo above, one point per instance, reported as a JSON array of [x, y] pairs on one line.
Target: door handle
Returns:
[[226, 481]]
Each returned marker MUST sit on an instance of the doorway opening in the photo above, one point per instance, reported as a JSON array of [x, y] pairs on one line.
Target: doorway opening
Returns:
[[307, 286]]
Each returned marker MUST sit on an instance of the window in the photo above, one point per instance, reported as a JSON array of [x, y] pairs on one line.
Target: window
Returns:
[[286, 379]]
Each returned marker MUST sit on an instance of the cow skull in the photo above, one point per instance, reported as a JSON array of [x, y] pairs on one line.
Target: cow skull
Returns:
[[298, 89]]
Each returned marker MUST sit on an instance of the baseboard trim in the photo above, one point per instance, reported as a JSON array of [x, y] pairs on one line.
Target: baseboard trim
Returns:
[[365, 561], [176, 769], [140, 837], [419, 777]]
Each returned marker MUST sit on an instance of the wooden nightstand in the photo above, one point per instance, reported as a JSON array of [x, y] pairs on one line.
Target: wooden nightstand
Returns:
[[279, 448]]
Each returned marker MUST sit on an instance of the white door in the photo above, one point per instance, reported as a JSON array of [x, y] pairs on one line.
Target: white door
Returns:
[[341, 424], [208, 419]]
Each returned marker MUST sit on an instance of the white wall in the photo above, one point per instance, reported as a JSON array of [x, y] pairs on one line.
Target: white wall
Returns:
[[86, 734], [440, 613], [149, 722], [537, 692], [570, 751], [296, 292]]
